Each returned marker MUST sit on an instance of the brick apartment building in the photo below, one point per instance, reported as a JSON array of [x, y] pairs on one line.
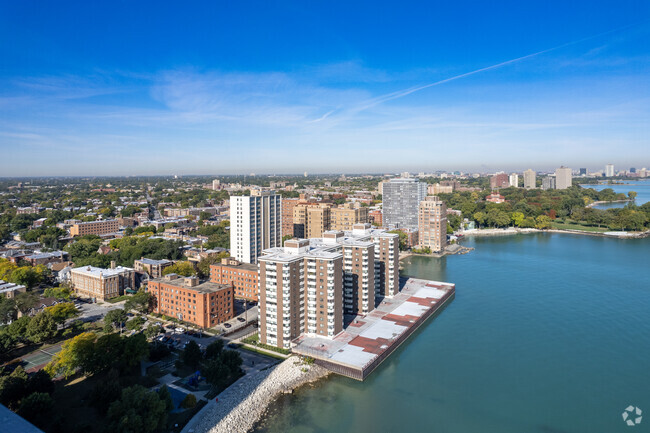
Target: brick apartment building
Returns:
[[204, 304], [242, 276], [154, 268], [432, 223], [94, 228]]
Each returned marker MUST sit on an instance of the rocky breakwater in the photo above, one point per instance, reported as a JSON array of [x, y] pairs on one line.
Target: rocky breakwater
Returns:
[[240, 406]]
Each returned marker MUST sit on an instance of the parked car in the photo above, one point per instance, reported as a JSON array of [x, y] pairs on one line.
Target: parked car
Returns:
[[241, 319], [181, 330], [227, 325]]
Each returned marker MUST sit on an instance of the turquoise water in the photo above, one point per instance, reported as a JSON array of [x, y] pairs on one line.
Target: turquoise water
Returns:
[[548, 333], [642, 188]]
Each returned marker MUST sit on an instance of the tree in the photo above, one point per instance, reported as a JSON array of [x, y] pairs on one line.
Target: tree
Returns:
[[106, 392], [135, 349], [192, 355], [517, 218], [214, 349], [7, 309], [403, 239], [42, 327], [58, 293], [63, 311], [141, 301], [479, 217], [39, 382], [7, 342], [135, 324], [36, 407], [18, 328], [166, 397], [183, 268], [543, 222], [205, 263], [76, 353], [137, 410], [12, 388], [153, 330], [115, 317], [189, 401], [286, 238], [25, 301], [631, 195]]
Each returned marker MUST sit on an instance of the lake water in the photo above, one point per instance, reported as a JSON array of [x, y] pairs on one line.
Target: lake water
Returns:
[[642, 188], [548, 333]]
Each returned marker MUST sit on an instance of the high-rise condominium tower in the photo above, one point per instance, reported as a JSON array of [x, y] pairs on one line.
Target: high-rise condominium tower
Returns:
[[401, 200], [255, 224]]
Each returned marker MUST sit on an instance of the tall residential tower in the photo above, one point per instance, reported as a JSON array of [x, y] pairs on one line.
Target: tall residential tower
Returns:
[[255, 224]]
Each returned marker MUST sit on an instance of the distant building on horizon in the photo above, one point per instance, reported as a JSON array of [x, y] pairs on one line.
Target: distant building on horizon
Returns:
[[401, 201], [499, 180], [583, 172], [609, 170], [255, 224], [513, 179], [563, 178], [530, 179], [548, 182]]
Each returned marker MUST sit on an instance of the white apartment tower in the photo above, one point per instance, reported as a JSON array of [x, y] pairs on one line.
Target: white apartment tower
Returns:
[[530, 179], [255, 224], [513, 179], [563, 178], [609, 170]]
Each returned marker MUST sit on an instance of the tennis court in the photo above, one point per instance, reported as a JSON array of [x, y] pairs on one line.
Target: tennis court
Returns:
[[39, 358]]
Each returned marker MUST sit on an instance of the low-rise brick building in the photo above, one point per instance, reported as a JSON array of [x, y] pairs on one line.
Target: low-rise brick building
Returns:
[[204, 304], [242, 276]]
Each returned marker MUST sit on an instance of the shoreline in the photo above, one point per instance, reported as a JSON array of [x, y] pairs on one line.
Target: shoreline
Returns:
[[596, 203], [515, 231], [242, 405]]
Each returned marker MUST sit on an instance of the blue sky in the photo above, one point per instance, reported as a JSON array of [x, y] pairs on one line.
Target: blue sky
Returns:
[[124, 88]]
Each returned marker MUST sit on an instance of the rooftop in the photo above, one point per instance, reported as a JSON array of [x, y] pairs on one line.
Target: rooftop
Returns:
[[154, 262], [368, 339], [184, 283], [92, 271]]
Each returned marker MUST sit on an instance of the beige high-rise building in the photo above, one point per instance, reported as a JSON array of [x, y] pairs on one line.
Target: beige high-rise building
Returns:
[[318, 220], [307, 286], [347, 215], [432, 224], [530, 179], [563, 178], [301, 291], [311, 219]]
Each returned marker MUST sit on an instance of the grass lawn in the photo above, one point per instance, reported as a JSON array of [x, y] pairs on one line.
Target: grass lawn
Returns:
[[118, 299], [263, 353], [571, 225]]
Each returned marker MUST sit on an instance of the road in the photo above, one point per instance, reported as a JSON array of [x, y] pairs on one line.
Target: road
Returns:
[[93, 312]]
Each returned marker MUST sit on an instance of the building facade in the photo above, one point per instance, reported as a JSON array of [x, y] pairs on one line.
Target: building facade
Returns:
[[609, 170], [513, 180], [563, 178], [288, 204], [548, 182], [94, 228], [432, 223], [401, 200], [154, 268], [345, 216], [301, 291], [102, 284], [255, 224], [499, 180], [204, 304], [530, 179], [242, 276]]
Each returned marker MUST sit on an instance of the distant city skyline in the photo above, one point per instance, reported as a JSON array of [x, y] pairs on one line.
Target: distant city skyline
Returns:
[[151, 88]]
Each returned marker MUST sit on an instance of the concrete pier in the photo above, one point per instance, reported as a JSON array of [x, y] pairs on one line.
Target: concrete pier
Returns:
[[369, 340]]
